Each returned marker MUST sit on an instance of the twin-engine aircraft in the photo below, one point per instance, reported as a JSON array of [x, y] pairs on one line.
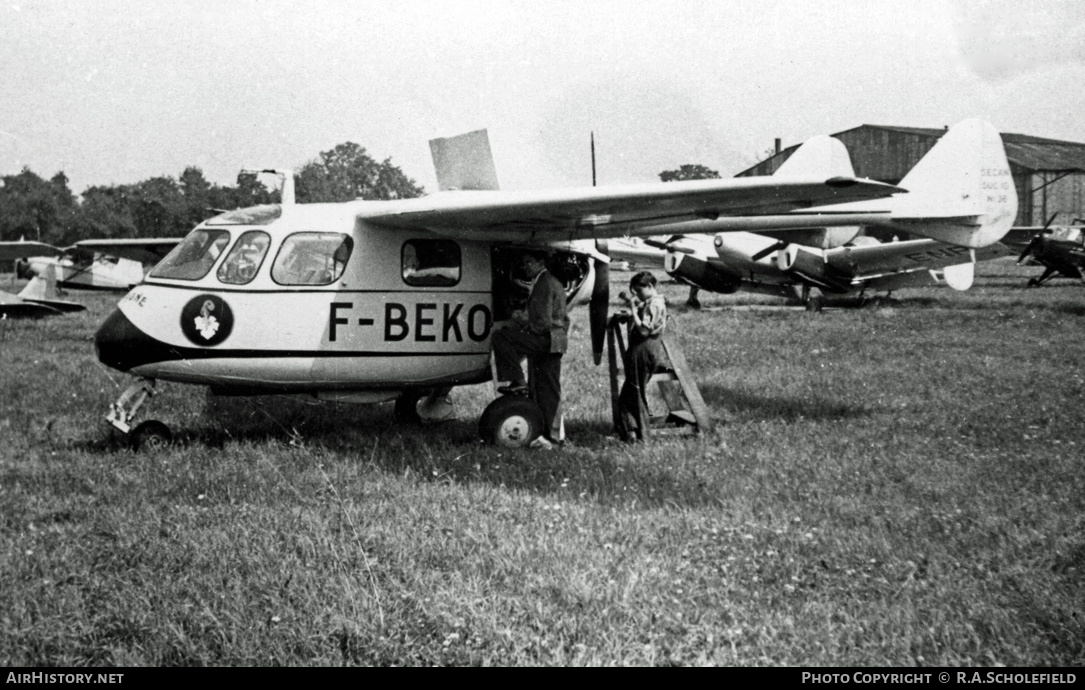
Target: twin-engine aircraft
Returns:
[[963, 167], [369, 301], [757, 263]]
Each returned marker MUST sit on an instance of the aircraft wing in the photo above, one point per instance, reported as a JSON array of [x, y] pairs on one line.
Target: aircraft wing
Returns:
[[24, 250], [626, 250], [148, 251], [541, 216], [15, 307], [866, 262]]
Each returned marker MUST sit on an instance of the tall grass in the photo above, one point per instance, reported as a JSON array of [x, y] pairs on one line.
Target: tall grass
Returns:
[[899, 484]]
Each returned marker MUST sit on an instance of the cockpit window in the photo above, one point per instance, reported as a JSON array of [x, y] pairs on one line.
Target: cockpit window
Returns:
[[241, 264], [431, 263], [194, 257], [253, 215], [312, 258]]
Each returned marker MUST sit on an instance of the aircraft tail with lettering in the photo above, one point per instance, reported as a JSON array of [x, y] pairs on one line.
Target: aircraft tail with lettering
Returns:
[[962, 191]]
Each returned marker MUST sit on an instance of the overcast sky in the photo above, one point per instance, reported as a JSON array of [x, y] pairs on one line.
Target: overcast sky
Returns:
[[116, 92]]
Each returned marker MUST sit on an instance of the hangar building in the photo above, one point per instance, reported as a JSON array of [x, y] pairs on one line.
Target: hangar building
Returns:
[[1049, 174]]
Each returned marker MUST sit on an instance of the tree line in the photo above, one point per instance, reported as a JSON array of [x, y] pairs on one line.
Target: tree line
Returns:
[[34, 208]]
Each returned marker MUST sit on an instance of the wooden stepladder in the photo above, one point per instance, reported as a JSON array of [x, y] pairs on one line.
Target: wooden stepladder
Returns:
[[686, 411]]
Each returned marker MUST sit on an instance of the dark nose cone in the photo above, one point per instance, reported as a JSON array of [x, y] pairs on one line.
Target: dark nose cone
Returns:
[[122, 346]]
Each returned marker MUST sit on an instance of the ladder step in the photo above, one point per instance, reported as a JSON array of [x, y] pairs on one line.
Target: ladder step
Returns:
[[686, 411], [673, 395]]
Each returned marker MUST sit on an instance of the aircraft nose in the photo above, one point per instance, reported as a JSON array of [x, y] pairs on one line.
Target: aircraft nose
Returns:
[[121, 344]]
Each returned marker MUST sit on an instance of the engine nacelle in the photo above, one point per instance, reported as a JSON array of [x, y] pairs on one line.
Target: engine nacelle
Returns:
[[700, 273], [810, 265]]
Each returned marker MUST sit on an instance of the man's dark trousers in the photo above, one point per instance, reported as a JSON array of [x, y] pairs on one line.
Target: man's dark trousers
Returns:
[[512, 344]]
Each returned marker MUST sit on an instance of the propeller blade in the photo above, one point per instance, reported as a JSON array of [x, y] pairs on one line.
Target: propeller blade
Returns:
[[667, 246], [1036, 239], [599, 309], [1029, 247], [768, 250]]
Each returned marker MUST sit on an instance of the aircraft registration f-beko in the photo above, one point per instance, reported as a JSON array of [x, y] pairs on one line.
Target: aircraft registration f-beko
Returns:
[[838, 259], [370, 301]]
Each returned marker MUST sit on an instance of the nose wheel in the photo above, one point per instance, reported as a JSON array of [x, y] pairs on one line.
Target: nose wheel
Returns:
[[148, 435]]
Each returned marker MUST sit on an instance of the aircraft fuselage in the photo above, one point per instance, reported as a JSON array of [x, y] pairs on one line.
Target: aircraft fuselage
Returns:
[[323, 303]]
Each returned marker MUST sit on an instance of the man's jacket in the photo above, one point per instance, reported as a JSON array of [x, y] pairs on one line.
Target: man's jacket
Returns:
[[546, 311]]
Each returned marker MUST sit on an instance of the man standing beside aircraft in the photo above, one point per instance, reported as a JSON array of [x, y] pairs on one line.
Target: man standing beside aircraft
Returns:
[[540, 332]]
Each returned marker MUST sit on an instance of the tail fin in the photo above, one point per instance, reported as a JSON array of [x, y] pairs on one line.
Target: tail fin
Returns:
[[42, 287], [962, 191], [819, 156], [464, 161]]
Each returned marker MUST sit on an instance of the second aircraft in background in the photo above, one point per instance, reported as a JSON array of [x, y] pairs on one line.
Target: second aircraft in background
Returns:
[[792, 260]]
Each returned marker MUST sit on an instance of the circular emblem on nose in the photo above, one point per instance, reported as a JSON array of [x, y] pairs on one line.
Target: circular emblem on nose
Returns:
[[207, 320]]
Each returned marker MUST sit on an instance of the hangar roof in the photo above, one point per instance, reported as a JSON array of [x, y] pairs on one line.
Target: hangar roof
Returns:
[[1025, 152], [1033, 153]]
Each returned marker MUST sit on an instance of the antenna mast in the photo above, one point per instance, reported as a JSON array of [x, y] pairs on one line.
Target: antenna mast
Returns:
[[593, 159]]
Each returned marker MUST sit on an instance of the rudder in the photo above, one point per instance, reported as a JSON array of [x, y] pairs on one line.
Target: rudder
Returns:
[[962, 191]]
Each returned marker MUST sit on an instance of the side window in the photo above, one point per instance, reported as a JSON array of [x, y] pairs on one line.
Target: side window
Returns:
[[312, 258], [194, 257], [431, 263], [243, 261]]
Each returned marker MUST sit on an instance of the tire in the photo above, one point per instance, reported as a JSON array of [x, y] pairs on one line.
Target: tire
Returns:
[[406, 409], [511, 421], [150, 435]]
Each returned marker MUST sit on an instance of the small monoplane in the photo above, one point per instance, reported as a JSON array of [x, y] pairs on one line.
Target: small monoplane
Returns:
[[37, 299], [369, 301], [1059, 249], [102, 264]]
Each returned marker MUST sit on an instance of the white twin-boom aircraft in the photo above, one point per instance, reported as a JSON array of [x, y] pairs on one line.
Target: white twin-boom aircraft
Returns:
[[369, 301]]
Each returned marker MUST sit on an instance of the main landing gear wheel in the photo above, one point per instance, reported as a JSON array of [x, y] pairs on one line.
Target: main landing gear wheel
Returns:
[[511, 421], [150, 435]]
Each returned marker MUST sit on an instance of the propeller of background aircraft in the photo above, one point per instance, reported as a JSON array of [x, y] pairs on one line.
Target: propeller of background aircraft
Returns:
[[769, 250], [1030, 248]]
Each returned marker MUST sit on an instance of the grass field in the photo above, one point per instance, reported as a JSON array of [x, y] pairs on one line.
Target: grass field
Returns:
[[891, 485]]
